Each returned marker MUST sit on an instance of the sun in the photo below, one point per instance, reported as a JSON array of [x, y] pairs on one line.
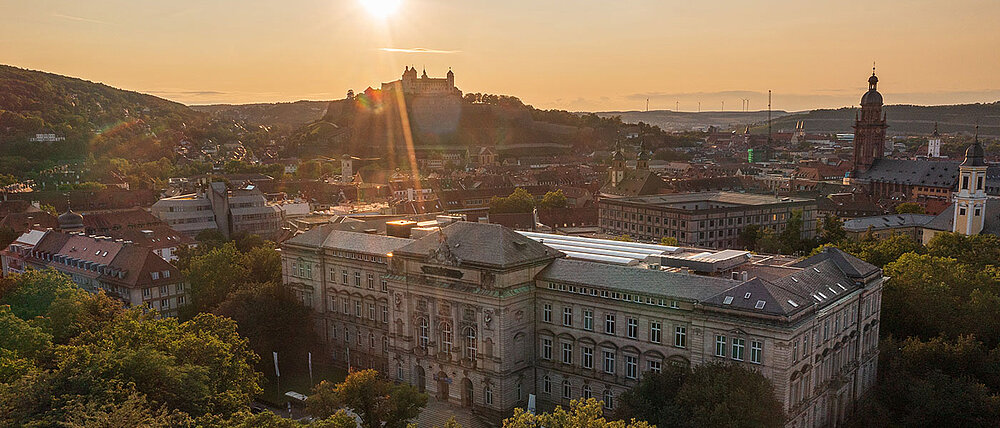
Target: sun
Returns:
[[381, 8]]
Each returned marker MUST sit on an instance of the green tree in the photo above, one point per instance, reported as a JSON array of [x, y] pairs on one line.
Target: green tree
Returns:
[[833, 229], [730, 395], [214, 275], [976, 250], [669, 241], [790, 238], [553, 200], [519, 201], [909, 208], [375, 400], [623, 238], [713, 394], [748, 236], [581, 413]]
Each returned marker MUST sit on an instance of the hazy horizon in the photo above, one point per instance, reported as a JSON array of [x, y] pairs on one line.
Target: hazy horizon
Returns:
[[581, 56]]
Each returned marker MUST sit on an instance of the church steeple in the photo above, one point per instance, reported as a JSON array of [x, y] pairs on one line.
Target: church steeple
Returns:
[[869, 128], [970, 200]]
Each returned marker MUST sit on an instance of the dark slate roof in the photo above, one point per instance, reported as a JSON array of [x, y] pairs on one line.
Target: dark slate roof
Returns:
[[819, 281], [635, 183], [481, 244], [327, 236], [913, 172], [991, 224], [634, 279], [851, 266], [888, 221]]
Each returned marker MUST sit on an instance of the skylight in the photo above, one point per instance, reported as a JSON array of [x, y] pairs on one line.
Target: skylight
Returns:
[[821, 294], [728, 300], [792, 302], [831, 290], [760, 304], [794, 279], [747, 296]]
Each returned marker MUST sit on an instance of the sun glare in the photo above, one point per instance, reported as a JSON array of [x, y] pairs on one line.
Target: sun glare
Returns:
[[381, 8]]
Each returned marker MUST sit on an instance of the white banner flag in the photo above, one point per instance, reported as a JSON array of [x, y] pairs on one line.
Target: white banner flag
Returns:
[[310, 366], [276, 372]]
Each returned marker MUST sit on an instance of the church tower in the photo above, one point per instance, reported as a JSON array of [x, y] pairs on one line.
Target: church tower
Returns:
[[617, 165], [970, 201], [934, 144], [869, 128], [642, 159]]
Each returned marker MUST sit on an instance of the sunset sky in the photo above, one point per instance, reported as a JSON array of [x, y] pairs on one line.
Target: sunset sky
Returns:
[[575, 55]]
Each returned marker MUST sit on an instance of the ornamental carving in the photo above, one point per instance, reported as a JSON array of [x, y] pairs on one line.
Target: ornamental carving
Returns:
[[488, 319], [442, 255]]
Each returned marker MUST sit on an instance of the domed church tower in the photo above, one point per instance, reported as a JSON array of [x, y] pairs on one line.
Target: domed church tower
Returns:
[[970, 201], [869, 128], [617, 165]]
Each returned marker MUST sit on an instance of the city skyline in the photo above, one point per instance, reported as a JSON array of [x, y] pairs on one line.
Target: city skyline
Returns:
[[590, 57]]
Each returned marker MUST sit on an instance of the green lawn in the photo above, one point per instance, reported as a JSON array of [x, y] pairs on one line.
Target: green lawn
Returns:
[[296, 380]]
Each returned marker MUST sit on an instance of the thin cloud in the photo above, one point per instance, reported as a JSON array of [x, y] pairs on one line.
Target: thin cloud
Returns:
[[418, 50], [78, 18]]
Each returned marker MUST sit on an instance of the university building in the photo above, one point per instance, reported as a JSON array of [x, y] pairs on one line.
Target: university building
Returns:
[[706, 219], [480, 315]]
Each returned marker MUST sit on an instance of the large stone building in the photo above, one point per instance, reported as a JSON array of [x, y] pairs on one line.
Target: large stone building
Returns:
[[480, 315], [707, 219]]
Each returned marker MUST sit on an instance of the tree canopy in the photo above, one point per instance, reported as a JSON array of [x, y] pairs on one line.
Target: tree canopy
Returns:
[[377, 401]]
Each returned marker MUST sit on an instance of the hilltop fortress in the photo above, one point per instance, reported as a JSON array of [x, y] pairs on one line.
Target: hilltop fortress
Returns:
[[410, 84]]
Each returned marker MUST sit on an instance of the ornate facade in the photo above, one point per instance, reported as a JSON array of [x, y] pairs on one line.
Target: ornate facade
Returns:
[[480, 315]]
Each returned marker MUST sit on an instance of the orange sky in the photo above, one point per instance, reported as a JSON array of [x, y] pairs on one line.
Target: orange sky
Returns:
[[575, 55]]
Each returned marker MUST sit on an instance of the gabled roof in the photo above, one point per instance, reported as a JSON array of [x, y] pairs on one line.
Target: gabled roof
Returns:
[[483, 244], [913, 172], [946, 220], [635, 183]]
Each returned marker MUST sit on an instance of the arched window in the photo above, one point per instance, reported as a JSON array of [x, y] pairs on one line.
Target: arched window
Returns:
[[488, 395], [470, 343], [347, 336], [399, 372], [587, 392], [546, 384], [371, 340], [446, 337], [609, 399], [385, 344], [567, 389], [423, 333], [517, 388]]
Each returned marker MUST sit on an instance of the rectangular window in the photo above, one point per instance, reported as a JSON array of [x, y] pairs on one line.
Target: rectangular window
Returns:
[[738, 345], [654, 366], [357, 308], [145, 292], [755, 351], [371, 311], [547, 312], [588, 357], [654, 331], [588, 319], [720, 346], [546, 349], [164, 290], [680, 336], [385, 314], [343, 276], [609, 324], [631, 366], [371, 282], [567, 353], [385, 285], [609, 361], [567, 316], [633, 327], [357, 279], [346, 305]]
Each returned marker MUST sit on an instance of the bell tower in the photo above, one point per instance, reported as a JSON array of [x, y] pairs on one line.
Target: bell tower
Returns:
[[970, 201], [869, 128], [617, 165]]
